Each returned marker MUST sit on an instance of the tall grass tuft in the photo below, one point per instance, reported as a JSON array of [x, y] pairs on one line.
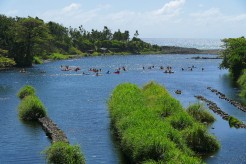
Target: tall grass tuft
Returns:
[[198, 112], [152, 127], [199, 140], [26, 91], [62, 153], [234, 122], [31, 108]]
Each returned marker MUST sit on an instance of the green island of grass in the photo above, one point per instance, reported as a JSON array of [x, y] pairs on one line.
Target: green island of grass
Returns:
[[152, 127]]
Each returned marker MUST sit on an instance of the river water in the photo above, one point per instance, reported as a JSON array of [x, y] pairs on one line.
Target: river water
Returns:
[[78, 104]]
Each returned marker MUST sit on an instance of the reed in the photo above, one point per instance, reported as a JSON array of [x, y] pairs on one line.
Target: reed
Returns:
[[31, 108], [198, 112], [60, 152], [149, 124], [26, 91]]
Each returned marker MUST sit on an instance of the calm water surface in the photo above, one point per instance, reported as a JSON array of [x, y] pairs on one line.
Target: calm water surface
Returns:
[[78, 104]]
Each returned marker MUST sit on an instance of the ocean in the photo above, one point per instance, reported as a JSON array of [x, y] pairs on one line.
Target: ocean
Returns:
[[186, 42]]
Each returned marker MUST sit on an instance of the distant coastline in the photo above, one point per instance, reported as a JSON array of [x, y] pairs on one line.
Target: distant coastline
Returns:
[[184, 50], [198, 43]]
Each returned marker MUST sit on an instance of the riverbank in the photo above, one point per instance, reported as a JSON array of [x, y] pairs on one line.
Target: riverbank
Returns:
[[164, 51]]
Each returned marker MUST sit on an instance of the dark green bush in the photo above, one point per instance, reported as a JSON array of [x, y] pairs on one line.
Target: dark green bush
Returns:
[[6, 62], [63, 153], [199, 140], [37, 60], [181, 121], [26, 91], [234, 122], [31, 108], [198, 112]]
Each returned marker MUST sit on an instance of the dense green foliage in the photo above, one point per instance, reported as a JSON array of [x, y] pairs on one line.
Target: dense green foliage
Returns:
[[60, 153], [6, 62], [235, 60], [58, 56], [234, 56], [198, 112], [234, 121], [26, 91], [24, 38], [153, 127], [31, 108]]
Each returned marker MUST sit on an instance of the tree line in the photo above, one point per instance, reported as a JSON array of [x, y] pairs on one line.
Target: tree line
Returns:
[[22, 39], [234, 59]]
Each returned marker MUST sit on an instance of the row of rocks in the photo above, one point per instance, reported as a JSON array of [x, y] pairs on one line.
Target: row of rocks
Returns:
[[213, 106], [52, 130], [223, 96]]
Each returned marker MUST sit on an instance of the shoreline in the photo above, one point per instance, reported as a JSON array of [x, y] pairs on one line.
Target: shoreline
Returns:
[[165, 50]]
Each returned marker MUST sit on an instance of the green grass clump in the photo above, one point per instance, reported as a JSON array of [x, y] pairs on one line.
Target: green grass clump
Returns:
[[31, 108], [198, 112], [242, 82], [234, 122], [26, 91], [37, 60], [6, 62], [58, 56], [199, 140], [61, 153], [152, 127]]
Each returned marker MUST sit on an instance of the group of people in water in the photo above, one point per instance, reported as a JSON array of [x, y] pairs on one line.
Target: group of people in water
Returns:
[[98, 71]]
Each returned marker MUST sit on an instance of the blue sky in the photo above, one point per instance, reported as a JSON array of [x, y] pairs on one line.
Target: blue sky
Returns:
[[153, 19]]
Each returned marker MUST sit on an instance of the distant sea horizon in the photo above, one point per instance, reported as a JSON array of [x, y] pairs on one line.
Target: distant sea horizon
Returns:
[[186, 42]]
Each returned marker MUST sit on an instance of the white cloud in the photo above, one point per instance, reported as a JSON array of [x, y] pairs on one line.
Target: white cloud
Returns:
[[166, 21], [170, 8], [214, 15], [213, 12], [71, 7]]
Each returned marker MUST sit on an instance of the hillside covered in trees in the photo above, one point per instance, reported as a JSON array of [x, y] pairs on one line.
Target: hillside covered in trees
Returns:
[[24, 41]]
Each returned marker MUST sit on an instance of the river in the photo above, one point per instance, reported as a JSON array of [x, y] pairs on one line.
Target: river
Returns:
[[78, 104]]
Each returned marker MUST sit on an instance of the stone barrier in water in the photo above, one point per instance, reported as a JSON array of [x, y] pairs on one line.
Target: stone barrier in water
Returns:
[[213, 106], [223, 96], [52, 130]]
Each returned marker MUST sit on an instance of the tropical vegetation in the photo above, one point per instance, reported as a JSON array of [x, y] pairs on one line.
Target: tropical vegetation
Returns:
[[152, 127], [234, 59], [24, 40]]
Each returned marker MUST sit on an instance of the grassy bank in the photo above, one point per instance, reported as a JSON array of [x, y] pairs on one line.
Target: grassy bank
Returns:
[[153, 127]]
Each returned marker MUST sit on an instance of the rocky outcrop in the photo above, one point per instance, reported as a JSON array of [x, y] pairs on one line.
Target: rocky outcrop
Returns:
[[223, 96], [213, 106], [52, 130]]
